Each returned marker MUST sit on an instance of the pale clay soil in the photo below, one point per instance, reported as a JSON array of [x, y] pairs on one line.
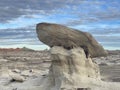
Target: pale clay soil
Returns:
[[28, 67]]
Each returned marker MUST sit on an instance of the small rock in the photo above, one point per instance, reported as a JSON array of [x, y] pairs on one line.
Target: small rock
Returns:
[[83, 88], [17, 78], [103, 64], [26, 73], [14, 88], [16, 71]]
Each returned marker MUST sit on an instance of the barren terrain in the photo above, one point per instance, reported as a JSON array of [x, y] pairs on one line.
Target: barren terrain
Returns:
[[17, 67]]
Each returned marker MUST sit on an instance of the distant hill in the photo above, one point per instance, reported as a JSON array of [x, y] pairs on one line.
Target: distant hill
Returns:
[[27, 49], [16, 49], [113, 52]]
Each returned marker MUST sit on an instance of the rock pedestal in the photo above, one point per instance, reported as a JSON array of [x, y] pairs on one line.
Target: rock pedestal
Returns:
[[70, 70]]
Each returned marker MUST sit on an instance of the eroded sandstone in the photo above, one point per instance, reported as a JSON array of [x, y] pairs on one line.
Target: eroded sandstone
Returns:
[[70, 70]]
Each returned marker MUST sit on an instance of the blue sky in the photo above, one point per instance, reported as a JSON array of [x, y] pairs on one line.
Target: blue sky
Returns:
[[18, 19]]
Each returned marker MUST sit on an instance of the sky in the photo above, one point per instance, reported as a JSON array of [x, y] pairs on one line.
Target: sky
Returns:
[[18, 19]]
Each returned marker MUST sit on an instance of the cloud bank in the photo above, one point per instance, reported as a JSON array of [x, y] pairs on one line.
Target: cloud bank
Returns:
[[18, 19]]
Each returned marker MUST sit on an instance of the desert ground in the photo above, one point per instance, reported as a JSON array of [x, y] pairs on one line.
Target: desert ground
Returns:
[[110, 66], [25, 66]]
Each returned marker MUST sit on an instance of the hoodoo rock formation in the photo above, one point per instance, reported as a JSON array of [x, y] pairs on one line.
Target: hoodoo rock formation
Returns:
[[72, 67], [59, 35]]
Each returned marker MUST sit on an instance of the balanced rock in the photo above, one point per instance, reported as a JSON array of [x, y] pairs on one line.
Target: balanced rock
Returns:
[[59, 35]]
